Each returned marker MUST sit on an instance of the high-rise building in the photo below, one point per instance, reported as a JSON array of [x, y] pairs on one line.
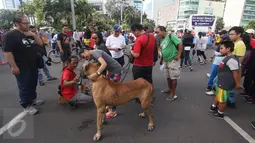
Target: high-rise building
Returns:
[[239, 12], [168, 14], [248, 12], [186, 8], [11, 4], [211, 7], [98, 5]]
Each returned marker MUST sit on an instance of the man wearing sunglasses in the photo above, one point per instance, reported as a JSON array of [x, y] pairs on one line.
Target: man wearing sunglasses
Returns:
[[20, 52]]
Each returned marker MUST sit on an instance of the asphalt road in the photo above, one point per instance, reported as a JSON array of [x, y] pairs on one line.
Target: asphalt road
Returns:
[[185, 120]]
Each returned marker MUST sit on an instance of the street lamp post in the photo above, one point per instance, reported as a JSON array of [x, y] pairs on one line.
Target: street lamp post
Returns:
[[141, 11], [73, 14]]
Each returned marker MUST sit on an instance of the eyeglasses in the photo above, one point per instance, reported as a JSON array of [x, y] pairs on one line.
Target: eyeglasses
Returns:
[[26, 23]]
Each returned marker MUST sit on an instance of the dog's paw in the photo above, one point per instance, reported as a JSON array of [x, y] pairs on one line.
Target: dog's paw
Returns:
[[150, 127], [97, 137], [142, 115]]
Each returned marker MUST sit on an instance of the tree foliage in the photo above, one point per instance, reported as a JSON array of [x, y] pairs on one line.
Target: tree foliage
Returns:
[[130, 14], [219, 23], [6, 18], [250, 25]]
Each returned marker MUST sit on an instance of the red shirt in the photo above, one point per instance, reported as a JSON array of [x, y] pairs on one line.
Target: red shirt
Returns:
[[253, 43], [92, 42], [146, 57], [69, 91]]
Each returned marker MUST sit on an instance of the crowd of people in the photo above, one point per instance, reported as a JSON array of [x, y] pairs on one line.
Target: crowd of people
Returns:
[[234, 58]]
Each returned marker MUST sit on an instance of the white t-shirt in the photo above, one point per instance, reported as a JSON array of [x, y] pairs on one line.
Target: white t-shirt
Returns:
[[76, 36], [116, 43], [205, 42]]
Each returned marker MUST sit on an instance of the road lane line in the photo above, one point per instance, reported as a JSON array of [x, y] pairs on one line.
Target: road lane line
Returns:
[[13, 122], [239, 130]]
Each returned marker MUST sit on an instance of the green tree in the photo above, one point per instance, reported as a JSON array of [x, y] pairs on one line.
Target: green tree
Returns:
[[6, 18], [34, 9], [219, 23], [250, 25], [58, 12]]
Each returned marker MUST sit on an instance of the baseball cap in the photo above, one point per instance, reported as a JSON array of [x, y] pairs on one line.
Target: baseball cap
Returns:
[[116, 27], [250, 31]]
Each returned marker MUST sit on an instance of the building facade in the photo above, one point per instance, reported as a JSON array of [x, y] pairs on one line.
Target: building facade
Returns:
[[98, 5], [211, 7], [10, 4], [248, 12], [239, 12], [167, 15]]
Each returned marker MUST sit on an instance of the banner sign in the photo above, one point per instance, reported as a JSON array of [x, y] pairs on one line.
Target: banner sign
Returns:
[[200, 20]]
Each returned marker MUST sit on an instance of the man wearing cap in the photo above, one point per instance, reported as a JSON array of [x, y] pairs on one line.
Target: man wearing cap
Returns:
[[251, 33], [115, 43]]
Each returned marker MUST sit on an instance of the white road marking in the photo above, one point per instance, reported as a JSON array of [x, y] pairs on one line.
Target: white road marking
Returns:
[[239, 130], [13, 122]]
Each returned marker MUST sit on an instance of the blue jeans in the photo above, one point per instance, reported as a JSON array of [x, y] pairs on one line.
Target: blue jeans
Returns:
[[231, 96], [45, 70], [213, 74], [27, 82]]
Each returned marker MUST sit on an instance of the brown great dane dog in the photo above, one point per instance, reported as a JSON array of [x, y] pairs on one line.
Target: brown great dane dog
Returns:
[[109, 93]]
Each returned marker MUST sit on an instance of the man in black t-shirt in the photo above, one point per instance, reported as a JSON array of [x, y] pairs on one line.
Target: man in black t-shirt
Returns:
[[20, 51], [64, 44]]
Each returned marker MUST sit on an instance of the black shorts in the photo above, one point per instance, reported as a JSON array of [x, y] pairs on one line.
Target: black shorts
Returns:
[[120, 60], [144, 72], [65, 56]]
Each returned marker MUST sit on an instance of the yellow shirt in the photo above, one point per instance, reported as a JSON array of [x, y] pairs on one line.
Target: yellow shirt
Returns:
[[239, 49], [218, 39]]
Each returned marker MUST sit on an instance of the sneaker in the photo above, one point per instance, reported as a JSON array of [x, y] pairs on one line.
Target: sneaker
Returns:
[[71, 104], [210, 93], [41, 83], [213, 109], [208, 88], [231, 105], [31, 110], [219, 115], [208, 75], [111, 114], [253, 124], [171, 98], [37, 102], [52, 78], [249, 99], [243, 93], [190, 69], [2, 63], [185, 65]]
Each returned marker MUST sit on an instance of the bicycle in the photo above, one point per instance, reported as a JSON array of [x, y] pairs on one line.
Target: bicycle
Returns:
[[54, 56]]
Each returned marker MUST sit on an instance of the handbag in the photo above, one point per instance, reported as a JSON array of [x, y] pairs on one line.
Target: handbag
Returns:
[[131, 57]]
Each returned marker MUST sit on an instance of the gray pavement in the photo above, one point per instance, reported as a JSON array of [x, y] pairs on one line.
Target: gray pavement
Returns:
[[185, 120]]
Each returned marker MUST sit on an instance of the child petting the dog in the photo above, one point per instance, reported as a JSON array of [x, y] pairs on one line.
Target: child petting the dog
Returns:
[[106, 63], [69, 81], [228, 78]]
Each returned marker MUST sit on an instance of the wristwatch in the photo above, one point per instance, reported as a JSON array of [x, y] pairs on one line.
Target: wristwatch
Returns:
[[98, 73]]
